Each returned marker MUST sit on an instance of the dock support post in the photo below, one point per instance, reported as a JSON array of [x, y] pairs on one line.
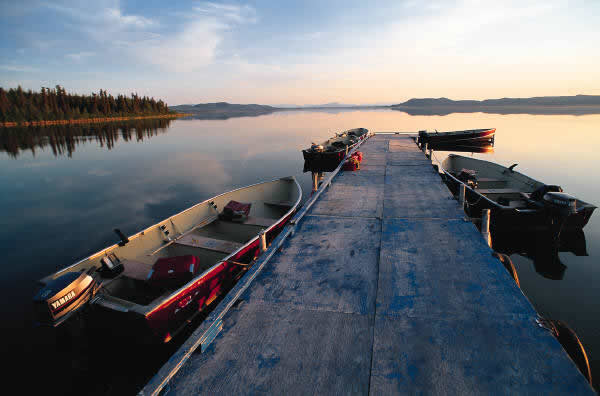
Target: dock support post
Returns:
[[485, 226], [462, 190], [430, 154], [263, 241], [424, 147], [315, 182]]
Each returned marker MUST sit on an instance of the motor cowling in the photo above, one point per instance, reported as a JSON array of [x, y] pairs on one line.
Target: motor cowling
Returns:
[[316, 148], [561, 201], [63, 296]]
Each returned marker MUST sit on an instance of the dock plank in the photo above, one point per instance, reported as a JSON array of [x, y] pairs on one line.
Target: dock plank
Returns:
[[383, 288]]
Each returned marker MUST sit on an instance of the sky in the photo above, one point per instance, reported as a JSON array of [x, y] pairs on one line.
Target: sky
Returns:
[[305, 52]]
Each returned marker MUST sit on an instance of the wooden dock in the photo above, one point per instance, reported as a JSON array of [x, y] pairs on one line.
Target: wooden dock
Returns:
[[380, 287]]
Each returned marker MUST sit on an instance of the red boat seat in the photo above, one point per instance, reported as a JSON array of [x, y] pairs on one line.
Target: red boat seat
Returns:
[[173, 272], [351, 164], [358, 155], [235, 211]]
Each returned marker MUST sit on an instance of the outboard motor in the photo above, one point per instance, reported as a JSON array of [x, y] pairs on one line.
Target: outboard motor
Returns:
[[553, 198], [316, 148], [64, 296], [565, 204]]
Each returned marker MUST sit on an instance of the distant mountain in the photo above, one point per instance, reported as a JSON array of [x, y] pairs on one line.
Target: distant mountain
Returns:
[[578, 100], [223, 110], [579, 104]]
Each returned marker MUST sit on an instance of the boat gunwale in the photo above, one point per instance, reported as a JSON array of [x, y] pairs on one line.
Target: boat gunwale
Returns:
[[466, 131], [140, 233]]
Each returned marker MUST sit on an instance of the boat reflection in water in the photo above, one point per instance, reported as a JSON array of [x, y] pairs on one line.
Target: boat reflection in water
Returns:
[[483, 148], [542, 249], [63, 139]]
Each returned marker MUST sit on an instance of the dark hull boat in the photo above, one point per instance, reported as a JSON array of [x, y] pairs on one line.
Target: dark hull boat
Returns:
[[334, 149], [457, 137], [161, 277], [516, 201]]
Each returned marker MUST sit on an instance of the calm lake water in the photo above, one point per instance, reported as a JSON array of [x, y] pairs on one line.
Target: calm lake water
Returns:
[[64, 190]]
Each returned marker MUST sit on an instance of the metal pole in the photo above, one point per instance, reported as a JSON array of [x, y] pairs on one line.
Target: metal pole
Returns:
[[346, 150], [485, 226], [462, 190], [263, 241], [315, 182]]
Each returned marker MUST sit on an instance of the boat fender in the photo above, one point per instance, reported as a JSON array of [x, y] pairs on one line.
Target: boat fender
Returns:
[[508, 264], [570, 343]]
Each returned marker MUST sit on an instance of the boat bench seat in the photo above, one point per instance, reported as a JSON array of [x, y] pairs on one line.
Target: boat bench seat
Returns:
[[490, 180], [286, 204], [135, 269], [497, 191], [218, 245], [259, 221]]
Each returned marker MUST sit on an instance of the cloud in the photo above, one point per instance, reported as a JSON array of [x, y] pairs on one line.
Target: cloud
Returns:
[[195, 45], [19, 68], [228, 12], [114, 16], [79, 56]]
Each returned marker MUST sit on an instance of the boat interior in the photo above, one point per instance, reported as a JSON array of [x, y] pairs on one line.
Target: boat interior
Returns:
[[498, 183], [199, 231], [340, 141]]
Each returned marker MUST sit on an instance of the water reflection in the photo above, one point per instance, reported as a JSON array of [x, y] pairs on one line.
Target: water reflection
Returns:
[[63, 139], [542, 249]]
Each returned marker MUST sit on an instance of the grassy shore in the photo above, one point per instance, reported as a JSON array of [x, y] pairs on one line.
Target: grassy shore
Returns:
[[88, 120]]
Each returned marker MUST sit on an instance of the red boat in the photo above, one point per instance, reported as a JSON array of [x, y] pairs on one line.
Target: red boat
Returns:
[[469, 136], [166, 274]]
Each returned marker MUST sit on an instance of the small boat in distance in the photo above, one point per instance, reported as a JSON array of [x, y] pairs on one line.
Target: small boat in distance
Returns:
[[335, 148], [516, 201], [164, 275], [469, 136]]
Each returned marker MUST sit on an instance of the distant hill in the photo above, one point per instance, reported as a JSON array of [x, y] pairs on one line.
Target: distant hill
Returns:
[[223, 110], [577, 100], [579, 104]]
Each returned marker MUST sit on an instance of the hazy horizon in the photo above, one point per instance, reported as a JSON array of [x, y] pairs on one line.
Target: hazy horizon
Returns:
[[308, 53]]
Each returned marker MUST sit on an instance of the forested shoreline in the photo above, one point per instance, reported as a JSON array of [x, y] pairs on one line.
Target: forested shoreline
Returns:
[[52, 106]]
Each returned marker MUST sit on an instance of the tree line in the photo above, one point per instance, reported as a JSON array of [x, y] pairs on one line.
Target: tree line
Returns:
[[18, 105]]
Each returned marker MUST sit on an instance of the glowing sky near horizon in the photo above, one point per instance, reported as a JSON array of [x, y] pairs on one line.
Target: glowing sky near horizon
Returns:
[[308, 52]]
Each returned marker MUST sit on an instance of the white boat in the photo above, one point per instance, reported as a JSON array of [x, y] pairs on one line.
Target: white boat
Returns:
[[169, 272]]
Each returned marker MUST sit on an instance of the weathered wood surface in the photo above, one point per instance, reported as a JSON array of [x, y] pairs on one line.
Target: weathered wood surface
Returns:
[[384, 288]]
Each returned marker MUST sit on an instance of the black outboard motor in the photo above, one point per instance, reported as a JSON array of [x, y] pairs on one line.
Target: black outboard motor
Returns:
[[558, 205], [553, 198], [538, 195], [63, 296]]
